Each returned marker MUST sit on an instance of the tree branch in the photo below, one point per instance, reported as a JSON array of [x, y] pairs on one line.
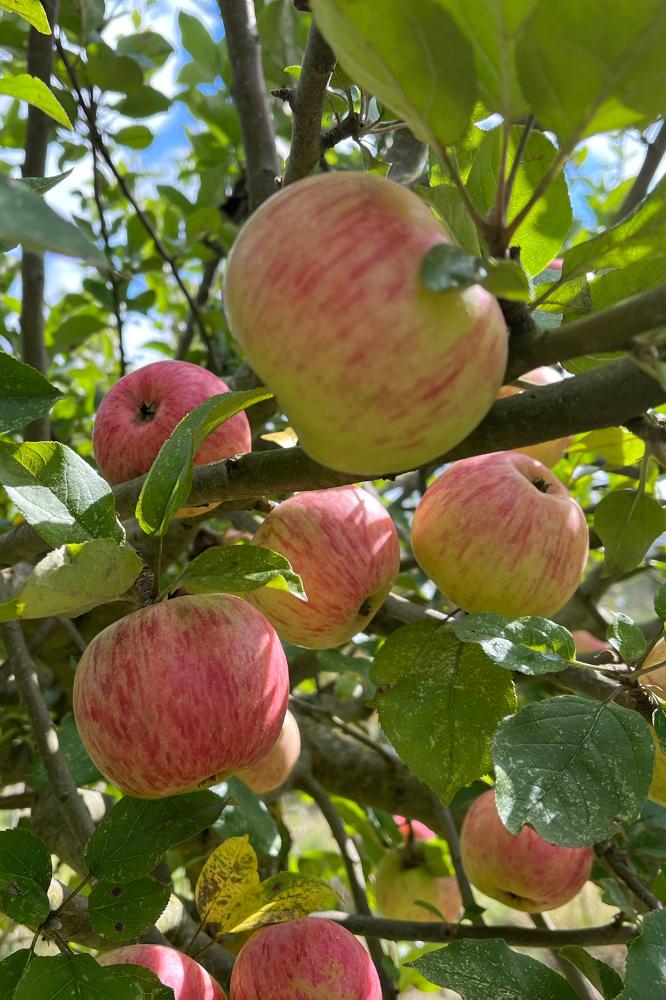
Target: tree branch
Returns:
[[354, 868], [207, 279], [572, 974], [249, 92], [45, 735], [611, 329], [526, 937], [38, 133], [653, 157], [616, 861], [307, 104], [112, 276]]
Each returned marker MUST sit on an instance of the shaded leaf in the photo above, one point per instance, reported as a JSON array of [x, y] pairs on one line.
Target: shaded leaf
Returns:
[[25, 875], [571, 768], [440, 701], [245, 813], [646, 960], [79, 977], [134, 836], [627, 638], [58, 493], [237, 569], [169, 481], [445, 268], [602, 977], [25, 394], [11, 970], [120, 911], [627, 522], [529, 645]]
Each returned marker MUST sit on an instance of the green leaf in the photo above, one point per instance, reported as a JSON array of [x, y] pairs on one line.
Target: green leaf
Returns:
[[134, 836], [11, 970], [83, 770], [144, 102], [478, 970], [79, 977], [646, 960], [245, 813], [541, 235], [24, 394], [641, 236], [205, 51], [40, 185], [529, 645], [237, 569], [618, 58], [627, 638], [25, 875], [34, 91], [602, 977], [660, 602], [74, 579], [169, 481], [448, 204], [134, 136], [26, 219], [492, 27], [445, 268], [31, 11], [627, 523], [412, 57], [120, 911], [439, 703], [147, 46], [572, 768], [58, 493], [109, 70]]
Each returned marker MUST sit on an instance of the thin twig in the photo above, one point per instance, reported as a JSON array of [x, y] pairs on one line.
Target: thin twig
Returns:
[[307, 103], [321, 713], [574, 976], [207, 278], [653, 157], [447, 828], [617, 862], [20, 800], [45, 736], [478, 219], [354, 868], [113, 278]]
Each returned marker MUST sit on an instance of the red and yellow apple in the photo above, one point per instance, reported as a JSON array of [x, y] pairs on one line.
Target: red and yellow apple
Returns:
[[187, 979], [323, 293], [343, 544], [415, 828], [180, 694], [273, 770], [523, 871], [655, 681], [501, 533], [306, 959], [586, 642], [402, 878], [547, 452], [141, 411]]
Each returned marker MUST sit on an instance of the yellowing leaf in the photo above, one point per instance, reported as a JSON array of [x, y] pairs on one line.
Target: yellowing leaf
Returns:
[[33, 90], [31, 11], [230, 871], [286, 438], [285, 896]]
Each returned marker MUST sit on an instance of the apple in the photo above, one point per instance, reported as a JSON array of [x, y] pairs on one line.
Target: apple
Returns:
[[187, 979], [273, 770], [305, 959], [655, 681], [548, 452], [588, 643], [523, 871], [418, 830], [343, 544], [323, 293], [402, 878], [180, 694], [141, 411], [501, 533]]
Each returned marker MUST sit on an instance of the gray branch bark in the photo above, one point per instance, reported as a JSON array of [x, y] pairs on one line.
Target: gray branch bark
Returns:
[[307, 104]]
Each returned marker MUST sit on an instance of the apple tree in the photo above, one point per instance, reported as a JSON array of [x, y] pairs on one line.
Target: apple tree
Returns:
[[332, 539]]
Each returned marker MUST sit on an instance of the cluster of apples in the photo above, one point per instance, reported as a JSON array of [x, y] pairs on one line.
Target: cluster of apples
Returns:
[[377, 375]]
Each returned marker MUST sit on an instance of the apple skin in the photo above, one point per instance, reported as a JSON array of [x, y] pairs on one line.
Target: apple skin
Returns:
[[492, 540], [305, 959], [273, 770], [419, 830], [523, 871], [180, 694], [400, 882], [126, 441], [547, 452], [587, 643], [343, 544], [324, 309], [656, 682], [187, 979]]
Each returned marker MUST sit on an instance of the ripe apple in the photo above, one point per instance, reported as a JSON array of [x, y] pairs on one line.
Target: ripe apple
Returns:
[[142, 410], [588, 643], [523, 871], [273, 770], [306, 959], [180, 694], [402, 878], [344, 545], [501, 533], [547, 452], [187, 979], [323, 292], [419, 830], [655, 681]]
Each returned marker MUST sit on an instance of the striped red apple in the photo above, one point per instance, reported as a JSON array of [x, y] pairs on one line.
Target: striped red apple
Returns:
[[548, 452], [273, 770], [180, 694], [323, 293], [187, 979]]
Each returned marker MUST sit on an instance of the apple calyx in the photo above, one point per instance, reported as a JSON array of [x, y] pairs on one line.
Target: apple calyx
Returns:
[[146, 411], [541, 485]]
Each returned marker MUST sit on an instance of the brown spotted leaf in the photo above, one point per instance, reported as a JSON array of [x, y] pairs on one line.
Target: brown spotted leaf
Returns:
[[229, 872], [285, 896]]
